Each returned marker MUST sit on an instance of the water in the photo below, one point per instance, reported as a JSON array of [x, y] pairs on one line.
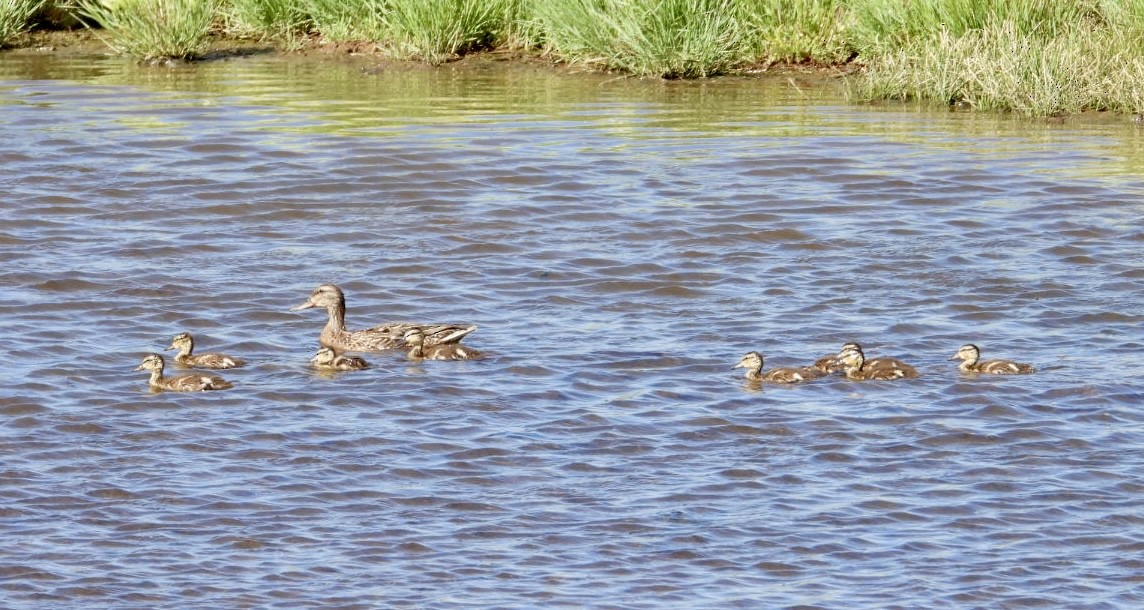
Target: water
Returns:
[[621, 244]]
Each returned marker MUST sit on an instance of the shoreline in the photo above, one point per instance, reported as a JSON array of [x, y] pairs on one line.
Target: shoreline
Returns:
[[83, 41]]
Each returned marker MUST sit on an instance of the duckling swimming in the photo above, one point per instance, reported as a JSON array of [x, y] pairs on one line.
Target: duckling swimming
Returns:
[[857, 369], [182, 383], [753, 362], [832, 364], [970, 356], [418, 350], [186, 344], [330, 360], [386, 336]]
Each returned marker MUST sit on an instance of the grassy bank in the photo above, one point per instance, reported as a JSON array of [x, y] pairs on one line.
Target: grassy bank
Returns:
[[1035, 57]]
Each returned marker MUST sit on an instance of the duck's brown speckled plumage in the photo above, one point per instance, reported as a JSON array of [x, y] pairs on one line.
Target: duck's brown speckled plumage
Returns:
[[857, 368], [327, 358], [181, 383], [418, 350], [753, 362], [379, 338], [970, 357], [186, 345]]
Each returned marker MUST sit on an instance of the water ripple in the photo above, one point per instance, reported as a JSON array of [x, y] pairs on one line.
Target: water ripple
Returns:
[[621, 245]]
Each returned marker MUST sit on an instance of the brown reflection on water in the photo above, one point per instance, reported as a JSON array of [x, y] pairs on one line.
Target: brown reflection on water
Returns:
[[621, 243]]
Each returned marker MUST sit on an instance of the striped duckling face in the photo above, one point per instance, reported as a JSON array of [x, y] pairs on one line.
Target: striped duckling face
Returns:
[[324, 357], [968, 354], [151, 362], [970, 357], [851, 356], [182, 342], [753, 362], [414, 336]]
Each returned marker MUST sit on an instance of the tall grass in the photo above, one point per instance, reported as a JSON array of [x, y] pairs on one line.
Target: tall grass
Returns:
[[15, 16], [436, 30], [152, 29], [281, 20], [879, 26], [1000, 68], [797, 30], [666, 38], [345, 20]]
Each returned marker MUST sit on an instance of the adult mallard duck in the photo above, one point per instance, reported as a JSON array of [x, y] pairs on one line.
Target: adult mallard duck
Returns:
[[856, 367], [970, 357], [378, 338], [327, 358], [753, 362], [418, 350], [182, 383], [186, 344], [832, 364]]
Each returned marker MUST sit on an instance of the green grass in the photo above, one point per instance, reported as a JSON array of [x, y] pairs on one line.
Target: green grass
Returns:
[[438, 30], [1035, 57], [280, 20], [152, 29], [15, 16], [664, 38], [797, 30], [1000, 68]]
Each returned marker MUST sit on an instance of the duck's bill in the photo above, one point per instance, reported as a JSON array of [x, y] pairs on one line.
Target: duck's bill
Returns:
[[306, 305]]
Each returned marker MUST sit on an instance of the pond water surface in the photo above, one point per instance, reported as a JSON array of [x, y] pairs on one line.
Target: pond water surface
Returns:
[[620, 243]]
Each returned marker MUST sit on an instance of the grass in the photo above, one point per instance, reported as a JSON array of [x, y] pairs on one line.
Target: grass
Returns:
[[278, 20], [15, 16], [437, 30], [1034, 57], [152, 29], [663, 38], [797, 30], [1001, 68]]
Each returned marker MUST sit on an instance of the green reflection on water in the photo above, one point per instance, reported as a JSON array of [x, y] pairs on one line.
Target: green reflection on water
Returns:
[[360, 96]]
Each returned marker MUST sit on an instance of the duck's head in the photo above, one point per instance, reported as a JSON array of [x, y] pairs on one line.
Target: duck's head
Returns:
[[324, 356], [326, 295], [750, 360], [151, 362], [180, 341], [850, 346], [968, 352]]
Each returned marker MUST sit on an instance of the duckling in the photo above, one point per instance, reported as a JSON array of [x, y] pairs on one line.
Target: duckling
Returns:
[[857, 369], [186, 344], [970, 356], [378, 338], [831, 364], [329, 359], [182, 383], [753, 362], [415, 341]]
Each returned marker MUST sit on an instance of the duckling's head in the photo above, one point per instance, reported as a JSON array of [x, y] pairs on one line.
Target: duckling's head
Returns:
[[852, 358], [850, 346], [326, 295], [151, 362], [968, 352], [324, 356], [414, 337], [180, 341], [750, 360]]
